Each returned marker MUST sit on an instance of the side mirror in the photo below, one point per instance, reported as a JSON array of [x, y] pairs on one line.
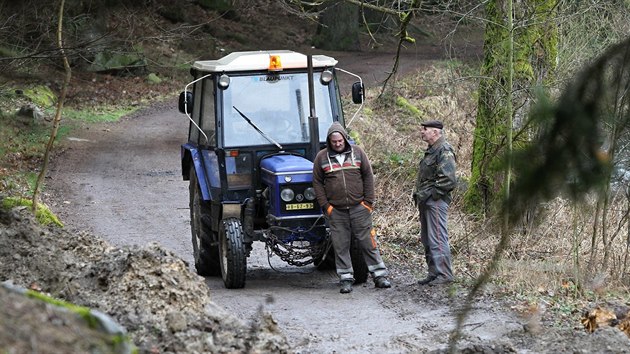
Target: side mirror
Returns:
[[185, 102], [358, 92]]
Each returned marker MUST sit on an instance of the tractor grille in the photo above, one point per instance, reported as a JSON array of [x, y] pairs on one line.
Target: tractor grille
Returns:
[[299, 204]]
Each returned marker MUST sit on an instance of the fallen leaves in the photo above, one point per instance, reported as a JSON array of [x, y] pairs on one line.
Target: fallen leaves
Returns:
[[611, 315], [596, 318]]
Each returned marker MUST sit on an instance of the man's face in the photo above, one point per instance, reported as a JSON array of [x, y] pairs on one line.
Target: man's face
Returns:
[[337, 142], [429, 134]]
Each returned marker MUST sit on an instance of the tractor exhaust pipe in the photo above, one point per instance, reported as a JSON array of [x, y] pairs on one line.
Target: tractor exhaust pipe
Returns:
[[313, 124]]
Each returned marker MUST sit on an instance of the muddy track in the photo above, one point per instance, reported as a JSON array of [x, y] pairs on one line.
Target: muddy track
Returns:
[[122, 181]]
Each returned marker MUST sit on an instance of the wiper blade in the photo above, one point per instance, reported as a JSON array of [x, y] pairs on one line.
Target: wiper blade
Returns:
[[269, 139]]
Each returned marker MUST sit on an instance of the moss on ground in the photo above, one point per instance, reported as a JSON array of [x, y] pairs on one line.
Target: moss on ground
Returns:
[[43, 214]]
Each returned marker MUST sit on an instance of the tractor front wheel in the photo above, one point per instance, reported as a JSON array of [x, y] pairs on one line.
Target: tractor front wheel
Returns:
[[233, 255]]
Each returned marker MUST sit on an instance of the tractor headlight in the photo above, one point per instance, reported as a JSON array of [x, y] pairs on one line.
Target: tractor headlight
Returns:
[[287, 194], [309, 193]]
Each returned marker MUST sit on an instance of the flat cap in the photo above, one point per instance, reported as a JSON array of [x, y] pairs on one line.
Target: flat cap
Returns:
[[433, 124]]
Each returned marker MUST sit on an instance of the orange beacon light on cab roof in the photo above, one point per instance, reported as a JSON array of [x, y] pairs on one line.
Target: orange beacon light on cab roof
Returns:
[[275, 64]]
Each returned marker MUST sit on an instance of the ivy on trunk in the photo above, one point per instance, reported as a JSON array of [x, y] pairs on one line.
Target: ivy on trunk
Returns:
[[535, 37]]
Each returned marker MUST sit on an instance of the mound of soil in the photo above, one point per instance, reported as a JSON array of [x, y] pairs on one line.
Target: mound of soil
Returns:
[[164, 307]]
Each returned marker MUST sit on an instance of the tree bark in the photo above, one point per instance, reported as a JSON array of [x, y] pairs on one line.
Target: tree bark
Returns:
[[535, 37]]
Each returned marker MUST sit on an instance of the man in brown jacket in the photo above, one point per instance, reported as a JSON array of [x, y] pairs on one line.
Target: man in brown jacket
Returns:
[[344, 186]]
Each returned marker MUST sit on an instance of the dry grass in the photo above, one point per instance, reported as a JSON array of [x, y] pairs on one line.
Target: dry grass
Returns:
[[550, 254]]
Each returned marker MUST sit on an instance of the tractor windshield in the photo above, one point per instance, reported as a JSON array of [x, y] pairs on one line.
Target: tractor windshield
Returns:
[[277, 104]]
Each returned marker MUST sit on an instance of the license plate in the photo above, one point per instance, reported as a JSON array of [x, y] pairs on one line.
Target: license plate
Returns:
[[299, 206]]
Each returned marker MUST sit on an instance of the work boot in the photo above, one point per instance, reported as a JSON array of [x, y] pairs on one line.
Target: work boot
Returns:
[[427, 280], [346, 287], [382, 282]]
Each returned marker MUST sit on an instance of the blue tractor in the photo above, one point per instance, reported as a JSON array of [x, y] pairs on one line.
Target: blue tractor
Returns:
[[252, 138]]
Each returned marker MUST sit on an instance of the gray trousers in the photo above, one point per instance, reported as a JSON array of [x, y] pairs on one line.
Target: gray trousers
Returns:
[[355, 222], [434, 237]]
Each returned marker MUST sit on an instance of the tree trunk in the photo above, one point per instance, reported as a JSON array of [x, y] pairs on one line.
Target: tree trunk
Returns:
[[534, 59], [339, 27], [57, 120]]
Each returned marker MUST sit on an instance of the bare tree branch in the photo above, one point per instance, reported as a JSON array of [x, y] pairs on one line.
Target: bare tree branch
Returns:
[[403, 37]]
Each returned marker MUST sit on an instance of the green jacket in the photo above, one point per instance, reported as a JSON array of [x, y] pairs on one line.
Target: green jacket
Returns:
[[436, 173]]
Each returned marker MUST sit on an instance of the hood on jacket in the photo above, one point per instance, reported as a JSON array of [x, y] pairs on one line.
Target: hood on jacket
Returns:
[[336, 127]]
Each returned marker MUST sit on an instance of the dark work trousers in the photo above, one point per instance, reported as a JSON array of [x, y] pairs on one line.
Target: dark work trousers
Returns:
[[434, 237], [354, 222]]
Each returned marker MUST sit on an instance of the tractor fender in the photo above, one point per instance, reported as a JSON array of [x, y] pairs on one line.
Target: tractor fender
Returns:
[[196, 157]]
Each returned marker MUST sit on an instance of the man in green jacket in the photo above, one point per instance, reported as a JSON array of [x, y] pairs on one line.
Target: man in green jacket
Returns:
[[436, 179], [344, 186]]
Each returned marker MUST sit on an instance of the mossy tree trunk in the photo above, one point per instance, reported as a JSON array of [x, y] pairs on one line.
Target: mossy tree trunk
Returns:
[[535, 37]]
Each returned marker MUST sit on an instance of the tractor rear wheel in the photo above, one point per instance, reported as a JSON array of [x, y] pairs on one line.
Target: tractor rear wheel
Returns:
[[326, 261], [206, 254], [233, 254], [358, 263]]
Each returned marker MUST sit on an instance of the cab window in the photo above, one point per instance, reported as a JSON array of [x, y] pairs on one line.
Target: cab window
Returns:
[[203, 113]]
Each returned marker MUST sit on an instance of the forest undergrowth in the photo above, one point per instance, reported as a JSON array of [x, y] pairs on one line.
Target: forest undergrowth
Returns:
[[554, 269]]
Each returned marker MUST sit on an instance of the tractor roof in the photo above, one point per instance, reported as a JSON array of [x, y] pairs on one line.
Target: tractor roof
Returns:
[[262, 60]]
